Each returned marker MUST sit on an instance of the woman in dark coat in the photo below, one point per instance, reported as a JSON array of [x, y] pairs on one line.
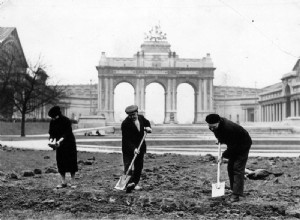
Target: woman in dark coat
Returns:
[[63, 141]]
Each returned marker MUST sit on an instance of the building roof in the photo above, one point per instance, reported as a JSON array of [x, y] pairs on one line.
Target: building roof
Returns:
[[271, 87], [289, 75], [297, 65], [5, 32], [9, 35]]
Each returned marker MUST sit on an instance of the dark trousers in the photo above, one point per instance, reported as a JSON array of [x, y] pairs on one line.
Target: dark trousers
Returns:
[[236, 171], [138, 166]]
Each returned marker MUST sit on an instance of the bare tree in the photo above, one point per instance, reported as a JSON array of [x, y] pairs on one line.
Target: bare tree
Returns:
[[32, 91]]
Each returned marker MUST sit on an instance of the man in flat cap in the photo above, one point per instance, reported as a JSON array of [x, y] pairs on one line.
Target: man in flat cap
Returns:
[[238, 143], [133, 128]]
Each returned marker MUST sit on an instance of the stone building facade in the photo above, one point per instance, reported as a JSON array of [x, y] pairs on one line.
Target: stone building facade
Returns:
[[281, 101], [238, 104], [156, 63]]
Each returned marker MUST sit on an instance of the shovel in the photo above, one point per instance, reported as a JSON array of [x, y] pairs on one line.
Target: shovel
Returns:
[[218, 189], [124, 179]]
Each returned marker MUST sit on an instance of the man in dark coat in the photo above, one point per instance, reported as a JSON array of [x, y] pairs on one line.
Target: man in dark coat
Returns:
[[238, 143], [63, 141], [133, 128]]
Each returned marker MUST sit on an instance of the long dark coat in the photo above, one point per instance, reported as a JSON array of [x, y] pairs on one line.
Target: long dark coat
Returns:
[[66, 154], [131, 136], [236, 138]]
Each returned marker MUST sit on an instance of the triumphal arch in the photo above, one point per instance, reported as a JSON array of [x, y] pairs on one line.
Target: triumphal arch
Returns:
[[156, 63]]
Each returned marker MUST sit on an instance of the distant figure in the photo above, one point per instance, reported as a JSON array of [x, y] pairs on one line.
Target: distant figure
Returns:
[[238, 143], [63, 141], [133, 128]]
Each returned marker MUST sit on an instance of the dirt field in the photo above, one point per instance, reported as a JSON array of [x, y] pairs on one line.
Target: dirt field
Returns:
[[173, 187]]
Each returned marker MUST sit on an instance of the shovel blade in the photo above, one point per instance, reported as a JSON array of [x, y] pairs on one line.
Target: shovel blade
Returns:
[[218, 189], [122, 183]]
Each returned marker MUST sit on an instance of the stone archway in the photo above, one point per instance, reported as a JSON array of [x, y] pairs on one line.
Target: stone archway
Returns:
[[156, 63], [123, 97], [185, 103], [155, 102]]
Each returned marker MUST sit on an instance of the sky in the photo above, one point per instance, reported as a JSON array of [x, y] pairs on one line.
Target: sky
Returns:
[[252, 43]]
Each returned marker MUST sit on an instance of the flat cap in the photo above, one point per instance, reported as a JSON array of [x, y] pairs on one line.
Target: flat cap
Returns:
[[131, 109], [212, 118], [54, 111]]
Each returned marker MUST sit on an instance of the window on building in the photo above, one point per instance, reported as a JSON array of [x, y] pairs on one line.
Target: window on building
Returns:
[[237, 119], [250, 114]]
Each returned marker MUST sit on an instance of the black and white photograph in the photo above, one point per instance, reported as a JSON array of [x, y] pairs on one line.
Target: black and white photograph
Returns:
[[149, 109]]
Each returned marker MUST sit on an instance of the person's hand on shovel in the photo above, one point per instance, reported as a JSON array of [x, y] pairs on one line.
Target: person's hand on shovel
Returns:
[[148, 129], [220, 160], [136, 151]]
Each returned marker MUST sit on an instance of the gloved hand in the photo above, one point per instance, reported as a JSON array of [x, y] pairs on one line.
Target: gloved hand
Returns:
[[52, 144], [136, 151], [148, 129], [220, 160]]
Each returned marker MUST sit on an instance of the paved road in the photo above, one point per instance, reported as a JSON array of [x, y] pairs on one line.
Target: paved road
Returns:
[[256, 150]]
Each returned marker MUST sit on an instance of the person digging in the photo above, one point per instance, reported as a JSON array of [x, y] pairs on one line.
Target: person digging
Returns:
[[238, 143], [62, 140], [133, 128]]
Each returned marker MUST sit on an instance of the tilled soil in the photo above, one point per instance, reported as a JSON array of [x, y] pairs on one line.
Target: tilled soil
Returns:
[[173, 187]]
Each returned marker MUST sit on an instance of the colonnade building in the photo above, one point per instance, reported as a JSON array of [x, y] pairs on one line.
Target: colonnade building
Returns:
[[281, 101]]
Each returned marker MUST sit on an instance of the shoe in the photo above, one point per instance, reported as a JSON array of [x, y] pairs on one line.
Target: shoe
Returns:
[[72, 186], [130, 187], [234, 198], [63, 185], [137, 187]]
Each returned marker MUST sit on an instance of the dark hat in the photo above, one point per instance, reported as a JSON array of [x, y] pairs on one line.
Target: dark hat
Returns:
[[130, 109], [54, 111], [212, 119]]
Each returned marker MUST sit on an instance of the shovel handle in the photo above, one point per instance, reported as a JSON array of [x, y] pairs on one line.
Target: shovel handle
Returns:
[[219, 165], [135, 155]]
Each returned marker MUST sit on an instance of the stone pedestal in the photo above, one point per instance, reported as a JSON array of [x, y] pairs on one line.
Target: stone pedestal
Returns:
[[91, 121]]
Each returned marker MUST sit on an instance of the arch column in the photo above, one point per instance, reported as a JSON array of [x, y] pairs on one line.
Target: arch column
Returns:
[[205, 94], [143, 94], [168, 102], [211, 104], [199, 115], [139, 95], [111, 101], [171, 102]]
